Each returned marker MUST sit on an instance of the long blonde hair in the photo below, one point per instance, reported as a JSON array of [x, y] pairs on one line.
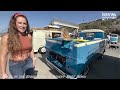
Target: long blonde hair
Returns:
[[65, 33], [13, 37]]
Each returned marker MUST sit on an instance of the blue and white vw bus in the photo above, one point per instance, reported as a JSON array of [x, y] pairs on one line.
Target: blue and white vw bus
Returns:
[[72, 57]]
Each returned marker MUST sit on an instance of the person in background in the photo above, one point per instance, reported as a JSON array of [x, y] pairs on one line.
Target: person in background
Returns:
[[108, 36], [16, 46]]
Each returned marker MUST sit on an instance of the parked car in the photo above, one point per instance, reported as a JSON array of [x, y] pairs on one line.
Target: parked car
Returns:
[[114, 41]]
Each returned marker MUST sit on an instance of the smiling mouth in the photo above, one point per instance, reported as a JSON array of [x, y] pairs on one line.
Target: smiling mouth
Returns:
[[22, 30]]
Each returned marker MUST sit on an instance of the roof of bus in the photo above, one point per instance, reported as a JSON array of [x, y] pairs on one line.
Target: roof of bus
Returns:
[[113, 34], [92, 30]]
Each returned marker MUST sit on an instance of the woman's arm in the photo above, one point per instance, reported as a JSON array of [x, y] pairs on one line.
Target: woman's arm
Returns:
[[32, 53], [33, 57], [3, 55]]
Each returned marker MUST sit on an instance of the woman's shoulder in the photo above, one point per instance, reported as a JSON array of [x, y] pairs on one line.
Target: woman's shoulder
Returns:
[[4, 35]]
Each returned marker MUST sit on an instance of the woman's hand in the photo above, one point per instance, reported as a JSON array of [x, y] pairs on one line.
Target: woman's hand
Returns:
[[34, 62], [5, 76]]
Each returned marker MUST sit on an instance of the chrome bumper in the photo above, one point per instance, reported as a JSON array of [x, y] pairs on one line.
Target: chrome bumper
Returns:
[[58, 70]]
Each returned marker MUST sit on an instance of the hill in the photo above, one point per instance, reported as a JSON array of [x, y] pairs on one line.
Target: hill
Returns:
[[109, 25]]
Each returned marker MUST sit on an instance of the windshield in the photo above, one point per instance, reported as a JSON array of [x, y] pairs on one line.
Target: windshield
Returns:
[[114, 35]]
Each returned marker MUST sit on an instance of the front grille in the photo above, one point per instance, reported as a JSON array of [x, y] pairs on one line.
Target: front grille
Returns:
[[58, 57]]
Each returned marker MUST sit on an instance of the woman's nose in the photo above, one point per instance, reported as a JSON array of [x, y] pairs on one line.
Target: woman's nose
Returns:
[[23, 25]]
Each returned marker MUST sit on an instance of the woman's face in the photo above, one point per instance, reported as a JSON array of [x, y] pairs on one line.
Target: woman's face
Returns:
[[21, 24]]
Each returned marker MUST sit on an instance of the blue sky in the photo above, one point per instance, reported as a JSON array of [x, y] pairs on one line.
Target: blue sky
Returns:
[[41, 19]]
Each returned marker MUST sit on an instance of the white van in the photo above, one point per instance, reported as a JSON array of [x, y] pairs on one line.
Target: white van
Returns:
[[39, 38]]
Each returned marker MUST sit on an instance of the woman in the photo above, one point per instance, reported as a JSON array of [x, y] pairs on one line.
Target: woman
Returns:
[[17, 45]]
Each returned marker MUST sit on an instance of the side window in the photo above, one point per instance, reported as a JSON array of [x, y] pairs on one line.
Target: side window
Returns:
[[55, 35], [89, 36]]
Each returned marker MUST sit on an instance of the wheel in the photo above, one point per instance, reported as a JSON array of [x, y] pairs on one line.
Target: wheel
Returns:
[[42, 50], [117, 46], [85, 71], [102, 56]]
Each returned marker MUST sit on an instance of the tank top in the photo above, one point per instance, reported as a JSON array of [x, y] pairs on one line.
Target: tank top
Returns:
[[26, 43]]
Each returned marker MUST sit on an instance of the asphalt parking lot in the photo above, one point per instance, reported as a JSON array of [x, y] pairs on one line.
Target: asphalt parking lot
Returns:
[[106, 68]]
